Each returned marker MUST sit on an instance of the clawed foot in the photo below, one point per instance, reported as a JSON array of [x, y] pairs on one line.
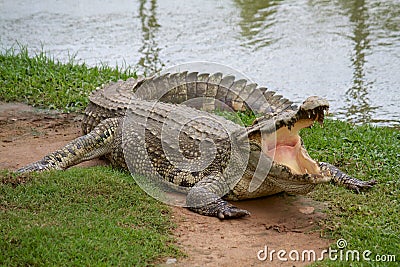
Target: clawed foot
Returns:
[[39, 166], [342, 179], [32, 168], [361, 185], [221, 209], [231, 212]]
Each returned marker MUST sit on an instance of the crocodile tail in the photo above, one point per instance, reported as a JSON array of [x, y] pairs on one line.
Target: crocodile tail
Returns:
[[212, 92]]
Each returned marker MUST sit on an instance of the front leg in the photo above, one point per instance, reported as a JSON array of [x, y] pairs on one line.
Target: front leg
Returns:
[[205, 198], [343, 179]]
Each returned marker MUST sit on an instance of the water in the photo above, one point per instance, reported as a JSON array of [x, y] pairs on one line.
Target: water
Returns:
[[346, 50]]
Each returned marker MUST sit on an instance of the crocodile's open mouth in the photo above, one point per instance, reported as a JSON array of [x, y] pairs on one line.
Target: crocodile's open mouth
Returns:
[[287, 149], [285, 145]]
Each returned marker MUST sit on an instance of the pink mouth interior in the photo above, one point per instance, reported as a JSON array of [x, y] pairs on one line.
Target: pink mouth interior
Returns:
[[285, 148]]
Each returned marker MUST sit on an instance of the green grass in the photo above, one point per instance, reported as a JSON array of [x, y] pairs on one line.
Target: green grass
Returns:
[[44, 82], [241, 118], [92, 216], [99, 216], [370, 220]]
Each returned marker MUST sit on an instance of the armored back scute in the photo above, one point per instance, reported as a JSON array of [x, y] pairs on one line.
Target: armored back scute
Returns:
[[209, 92]]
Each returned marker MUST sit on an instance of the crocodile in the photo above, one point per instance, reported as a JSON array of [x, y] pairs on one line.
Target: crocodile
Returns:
[[162, 128]]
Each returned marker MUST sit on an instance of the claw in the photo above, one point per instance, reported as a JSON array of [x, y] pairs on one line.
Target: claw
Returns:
[[231, 212], [363, 185]]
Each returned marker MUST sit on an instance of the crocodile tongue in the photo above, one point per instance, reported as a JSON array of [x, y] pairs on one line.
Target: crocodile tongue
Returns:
[[280, 138]]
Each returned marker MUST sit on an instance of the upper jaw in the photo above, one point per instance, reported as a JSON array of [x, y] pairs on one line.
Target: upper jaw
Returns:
[[313, 109]]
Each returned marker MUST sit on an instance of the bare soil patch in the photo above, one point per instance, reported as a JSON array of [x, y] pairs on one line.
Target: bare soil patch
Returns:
[[278, 222]]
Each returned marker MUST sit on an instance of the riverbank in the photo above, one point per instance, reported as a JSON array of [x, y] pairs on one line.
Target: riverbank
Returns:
[[44, 217]]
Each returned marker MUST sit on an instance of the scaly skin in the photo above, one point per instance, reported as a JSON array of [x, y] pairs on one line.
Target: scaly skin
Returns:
[[139, 142], [201, 91]]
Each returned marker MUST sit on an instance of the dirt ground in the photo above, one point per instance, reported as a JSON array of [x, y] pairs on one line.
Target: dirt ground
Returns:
[[278, 222]]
